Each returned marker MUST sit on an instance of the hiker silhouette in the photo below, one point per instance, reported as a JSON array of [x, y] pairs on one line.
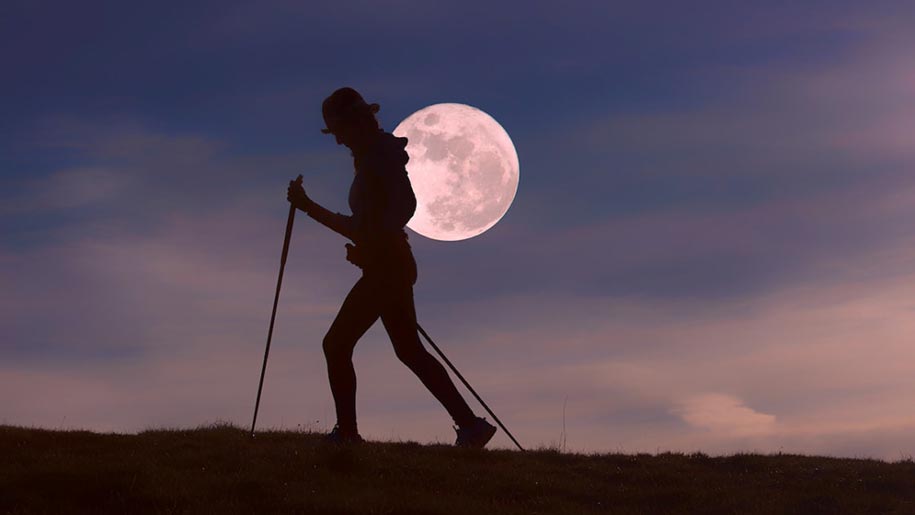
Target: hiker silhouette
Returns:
[[382, 202]]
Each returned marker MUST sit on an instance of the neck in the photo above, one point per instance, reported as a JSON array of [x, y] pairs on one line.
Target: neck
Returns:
[[364, 141]]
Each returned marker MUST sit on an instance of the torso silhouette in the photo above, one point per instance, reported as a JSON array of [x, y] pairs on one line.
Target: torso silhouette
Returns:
[[382, 202], [381, 197]]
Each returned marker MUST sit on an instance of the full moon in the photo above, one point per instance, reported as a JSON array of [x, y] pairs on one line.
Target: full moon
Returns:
[[463, 168]]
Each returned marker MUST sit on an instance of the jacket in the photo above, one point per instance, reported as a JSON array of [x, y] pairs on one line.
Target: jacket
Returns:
[[381, 200]]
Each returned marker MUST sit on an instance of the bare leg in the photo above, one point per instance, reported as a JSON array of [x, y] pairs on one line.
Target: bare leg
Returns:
[[357, 314], [398, 314]]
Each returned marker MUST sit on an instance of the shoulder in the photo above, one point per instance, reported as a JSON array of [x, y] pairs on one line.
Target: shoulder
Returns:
[[388, 152], [397, 147]]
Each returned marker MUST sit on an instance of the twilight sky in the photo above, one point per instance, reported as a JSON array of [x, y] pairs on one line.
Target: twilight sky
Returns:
[[711, 249]]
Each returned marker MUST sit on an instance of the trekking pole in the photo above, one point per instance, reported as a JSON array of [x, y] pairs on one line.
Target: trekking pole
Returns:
[[276, 299], [455, 370]]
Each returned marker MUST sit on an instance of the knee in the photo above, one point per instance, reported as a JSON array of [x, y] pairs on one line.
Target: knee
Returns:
[[411, 356], [335, 347]]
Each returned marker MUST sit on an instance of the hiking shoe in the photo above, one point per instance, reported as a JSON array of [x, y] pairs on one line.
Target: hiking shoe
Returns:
[[338, 436], [476, 435]]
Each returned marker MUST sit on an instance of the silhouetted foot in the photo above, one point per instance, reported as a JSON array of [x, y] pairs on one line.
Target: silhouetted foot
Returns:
[[475, 436], [340, 437]]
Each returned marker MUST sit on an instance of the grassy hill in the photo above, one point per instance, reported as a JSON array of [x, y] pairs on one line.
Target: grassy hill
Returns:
[[220, 470]]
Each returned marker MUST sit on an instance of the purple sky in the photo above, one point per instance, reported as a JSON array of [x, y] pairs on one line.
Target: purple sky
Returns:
[[711, 248]]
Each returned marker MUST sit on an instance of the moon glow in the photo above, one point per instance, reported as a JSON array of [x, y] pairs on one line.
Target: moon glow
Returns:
[[464, 170]]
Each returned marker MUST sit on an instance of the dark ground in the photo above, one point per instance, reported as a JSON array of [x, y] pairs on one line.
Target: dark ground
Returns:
[[219, 470]]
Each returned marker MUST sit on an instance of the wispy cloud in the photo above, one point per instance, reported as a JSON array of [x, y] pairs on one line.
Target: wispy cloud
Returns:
[[67, 189], [724, 414]]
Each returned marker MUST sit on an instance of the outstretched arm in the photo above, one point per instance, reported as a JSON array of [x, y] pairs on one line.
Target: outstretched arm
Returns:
[[336, 222]]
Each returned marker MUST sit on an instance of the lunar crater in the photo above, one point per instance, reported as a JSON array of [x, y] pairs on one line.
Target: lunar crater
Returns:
[[464, 170]]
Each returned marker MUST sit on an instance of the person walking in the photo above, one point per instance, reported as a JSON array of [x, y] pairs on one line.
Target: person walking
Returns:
[[382, 202]]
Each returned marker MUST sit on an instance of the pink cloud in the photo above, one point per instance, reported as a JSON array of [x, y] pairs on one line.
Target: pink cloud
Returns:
[[724, 415]]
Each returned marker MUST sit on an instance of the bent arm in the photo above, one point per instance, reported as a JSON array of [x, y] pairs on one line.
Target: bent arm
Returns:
[[341, 224]]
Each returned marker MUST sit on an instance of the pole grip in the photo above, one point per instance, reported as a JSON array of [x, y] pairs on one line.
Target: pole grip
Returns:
[[289, 221]]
